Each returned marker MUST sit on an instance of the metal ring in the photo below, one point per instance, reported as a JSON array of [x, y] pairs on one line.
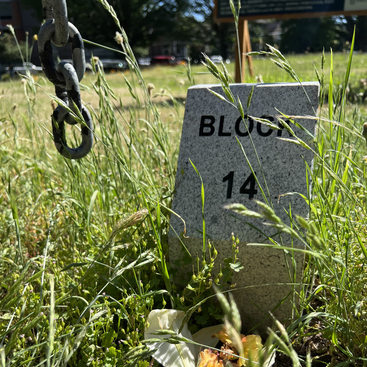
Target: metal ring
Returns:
[[45, 36], [58, 129]]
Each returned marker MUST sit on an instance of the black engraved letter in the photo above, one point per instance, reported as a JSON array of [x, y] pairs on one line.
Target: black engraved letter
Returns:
[[221, 132], [206, 125]]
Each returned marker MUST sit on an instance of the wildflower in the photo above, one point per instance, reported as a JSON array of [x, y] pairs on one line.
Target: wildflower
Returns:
[[251, 347], [226, 353], [224, 337], [162, 324], [208, 358]]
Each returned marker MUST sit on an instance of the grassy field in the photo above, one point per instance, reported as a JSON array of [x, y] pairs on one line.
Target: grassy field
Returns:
[[84, 243]]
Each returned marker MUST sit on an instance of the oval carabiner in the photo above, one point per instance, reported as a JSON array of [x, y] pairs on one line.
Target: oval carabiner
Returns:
[[71, 93], [65, 76]]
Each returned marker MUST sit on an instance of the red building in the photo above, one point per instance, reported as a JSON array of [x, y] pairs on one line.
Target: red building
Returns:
[[23, 19]]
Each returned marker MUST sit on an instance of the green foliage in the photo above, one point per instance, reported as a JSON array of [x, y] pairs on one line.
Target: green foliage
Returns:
[[9, 52], [359, 24], [34, 5], [143, 21], [312, 35]]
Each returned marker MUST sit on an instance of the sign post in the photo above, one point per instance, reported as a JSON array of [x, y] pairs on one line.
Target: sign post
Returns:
[[242, 54]]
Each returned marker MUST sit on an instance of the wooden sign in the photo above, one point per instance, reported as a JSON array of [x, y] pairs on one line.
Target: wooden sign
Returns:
[[260, 9]]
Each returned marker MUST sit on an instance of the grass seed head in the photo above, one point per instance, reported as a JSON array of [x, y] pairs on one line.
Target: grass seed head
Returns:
[[119, 39], [150, 88]]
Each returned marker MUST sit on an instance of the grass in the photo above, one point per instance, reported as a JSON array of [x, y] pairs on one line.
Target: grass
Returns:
[[84, 243]]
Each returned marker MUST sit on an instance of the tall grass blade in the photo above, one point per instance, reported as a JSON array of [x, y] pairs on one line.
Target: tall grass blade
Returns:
[[202, 208], [331, 85], [51, 335], [346, 77]]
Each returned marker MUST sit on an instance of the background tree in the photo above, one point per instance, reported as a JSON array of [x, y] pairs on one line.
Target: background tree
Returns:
[[36, 5], [312, 34], [360, 23], [223, 38], [144, 21], [192, 22]]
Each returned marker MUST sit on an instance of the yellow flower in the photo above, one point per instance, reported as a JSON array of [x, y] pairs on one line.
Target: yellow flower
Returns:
[[227, 354], [208, 358], [224, 337], [251, 347]]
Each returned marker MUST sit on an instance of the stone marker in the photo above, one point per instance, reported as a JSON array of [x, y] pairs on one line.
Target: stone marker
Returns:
[[209, 139]]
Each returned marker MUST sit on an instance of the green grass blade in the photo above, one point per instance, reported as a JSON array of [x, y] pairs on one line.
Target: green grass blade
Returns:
[[202, 208], [331, 85]]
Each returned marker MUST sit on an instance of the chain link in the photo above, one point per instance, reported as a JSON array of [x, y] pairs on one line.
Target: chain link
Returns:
[[65, 76], [57, 10]]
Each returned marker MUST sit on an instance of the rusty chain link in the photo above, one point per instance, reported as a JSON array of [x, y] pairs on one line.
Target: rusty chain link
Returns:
[[65, 76]]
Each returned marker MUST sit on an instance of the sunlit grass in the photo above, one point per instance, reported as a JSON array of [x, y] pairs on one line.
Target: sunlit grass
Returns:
[[77, 282]]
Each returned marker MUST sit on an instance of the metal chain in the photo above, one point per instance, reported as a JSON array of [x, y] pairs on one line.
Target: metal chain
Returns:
[[65, 76]]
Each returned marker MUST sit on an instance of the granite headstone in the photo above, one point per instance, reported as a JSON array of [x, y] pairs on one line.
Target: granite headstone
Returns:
[[222, 146]]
